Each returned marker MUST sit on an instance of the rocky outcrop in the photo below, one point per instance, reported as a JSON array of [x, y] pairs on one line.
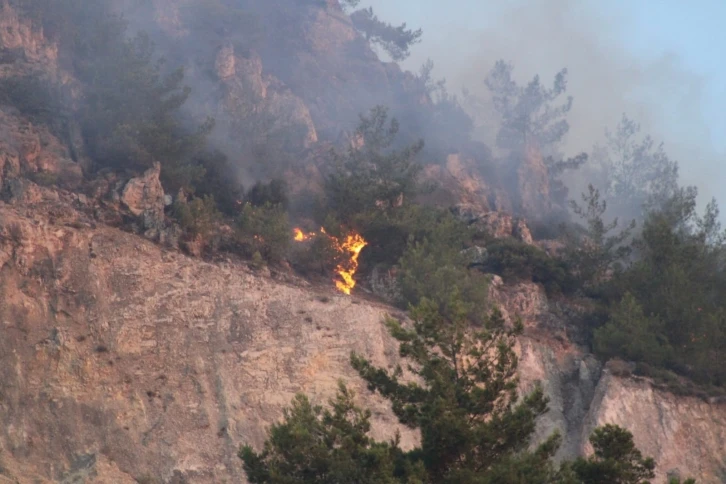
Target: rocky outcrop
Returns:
[[326, 63], [458, 181], [569, 378], [310, 48], [144, 195], [460, 184], [22, 44], [685, 435], [248, 100], [28, 69], [246, 82], [497, 224], [27, 149]]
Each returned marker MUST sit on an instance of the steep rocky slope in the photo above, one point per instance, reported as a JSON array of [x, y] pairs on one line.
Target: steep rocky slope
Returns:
[[116, 351], [120, 360]]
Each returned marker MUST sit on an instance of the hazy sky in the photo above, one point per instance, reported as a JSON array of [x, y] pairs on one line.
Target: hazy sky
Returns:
[[661, 61]]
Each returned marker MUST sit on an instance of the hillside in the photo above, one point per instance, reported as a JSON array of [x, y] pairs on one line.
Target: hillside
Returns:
[[140, 343], [122, 360]]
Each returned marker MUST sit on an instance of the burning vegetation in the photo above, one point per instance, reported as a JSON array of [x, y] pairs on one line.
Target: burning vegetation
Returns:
[[349, 248]]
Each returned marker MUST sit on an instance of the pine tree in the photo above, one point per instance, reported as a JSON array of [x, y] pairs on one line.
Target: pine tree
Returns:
[[529, 116], [616, 460], [396, 41], [317, 446], [374, 174], [637, 174], [466, 405], [598, 249], [463, 400]]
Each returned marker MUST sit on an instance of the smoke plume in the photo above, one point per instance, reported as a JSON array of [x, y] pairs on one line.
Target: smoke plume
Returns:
[[605, 79]]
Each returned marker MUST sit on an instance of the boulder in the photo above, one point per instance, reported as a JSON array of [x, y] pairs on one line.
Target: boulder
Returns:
[[144, 195], [497, 224]]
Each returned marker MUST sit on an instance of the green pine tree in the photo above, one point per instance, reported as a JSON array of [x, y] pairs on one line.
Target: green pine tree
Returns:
[[317, 446], [465, 403], [374, 175], [615, 460]]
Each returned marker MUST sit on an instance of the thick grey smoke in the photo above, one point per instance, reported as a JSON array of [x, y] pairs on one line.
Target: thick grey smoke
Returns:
[[538, 37], [543, 36]]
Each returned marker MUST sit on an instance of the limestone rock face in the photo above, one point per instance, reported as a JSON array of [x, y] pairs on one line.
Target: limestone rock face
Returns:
[[569, 378], [248, 72], [678, 432], [458, 182], [20, 41], [160, 364], [30, 150], [250, 100], [28, 147], [521, 232], [310, 48], [120, 360]]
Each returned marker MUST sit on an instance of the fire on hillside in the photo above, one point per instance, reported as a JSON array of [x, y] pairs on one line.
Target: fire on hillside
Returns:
[[350, 247]]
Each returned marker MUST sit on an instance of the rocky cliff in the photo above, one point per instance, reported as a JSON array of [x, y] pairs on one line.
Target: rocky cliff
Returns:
[[120, 357], [120, 360]]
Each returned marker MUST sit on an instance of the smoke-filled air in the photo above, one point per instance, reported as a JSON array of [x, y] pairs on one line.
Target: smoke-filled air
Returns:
[[362, 241], [654, 62]]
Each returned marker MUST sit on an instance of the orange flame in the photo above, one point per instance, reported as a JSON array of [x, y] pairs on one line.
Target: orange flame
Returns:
[[352, 246], [301, 236]]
